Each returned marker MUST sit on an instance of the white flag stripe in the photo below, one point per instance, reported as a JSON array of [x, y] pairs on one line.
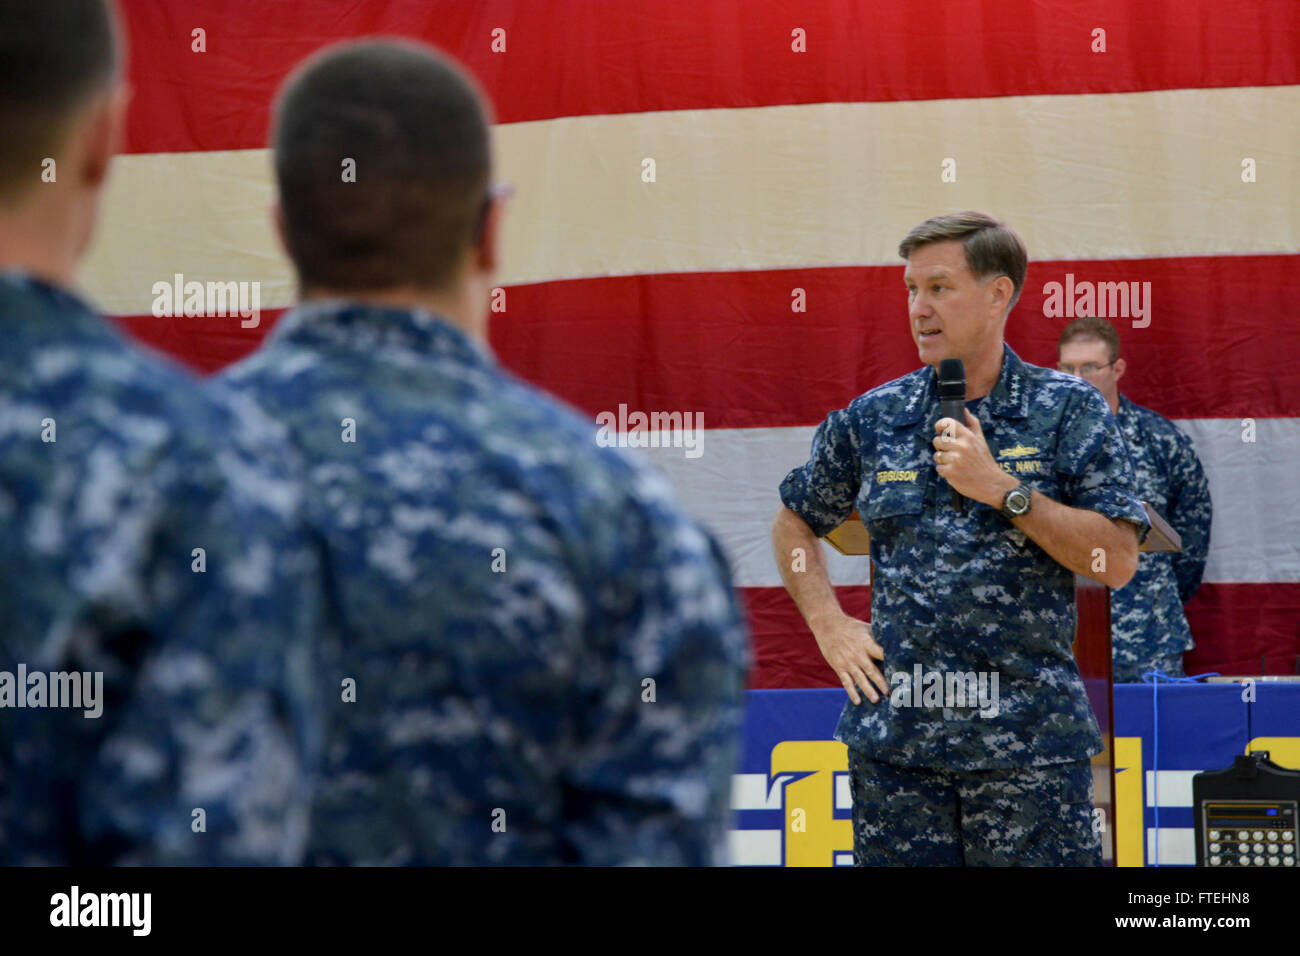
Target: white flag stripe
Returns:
[[733, 488], [825, 184]]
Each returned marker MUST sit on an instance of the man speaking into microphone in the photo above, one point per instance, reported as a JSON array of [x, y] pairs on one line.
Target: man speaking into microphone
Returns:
[[968, 727]]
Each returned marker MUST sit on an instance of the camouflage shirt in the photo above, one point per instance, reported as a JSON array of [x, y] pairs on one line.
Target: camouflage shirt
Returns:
[[538, 658], [960, 601], [1147, 620], [147, 536]]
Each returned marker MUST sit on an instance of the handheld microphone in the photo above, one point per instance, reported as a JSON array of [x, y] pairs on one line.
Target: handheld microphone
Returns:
[[952, 404]]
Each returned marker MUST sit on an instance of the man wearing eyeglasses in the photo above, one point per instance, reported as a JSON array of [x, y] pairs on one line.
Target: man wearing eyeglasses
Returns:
[[1148, 627], [536, 657]]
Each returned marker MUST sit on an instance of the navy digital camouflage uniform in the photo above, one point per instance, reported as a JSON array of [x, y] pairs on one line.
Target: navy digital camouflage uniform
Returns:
[[1148, 627], [969, 593], [206, 675], [1027, 817], [504, 592]]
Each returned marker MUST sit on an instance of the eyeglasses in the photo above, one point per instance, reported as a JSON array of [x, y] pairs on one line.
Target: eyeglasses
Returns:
[[1092, 368], [495, 191]]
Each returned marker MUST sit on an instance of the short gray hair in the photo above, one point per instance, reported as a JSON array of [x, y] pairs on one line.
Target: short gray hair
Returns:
[[992, 247]]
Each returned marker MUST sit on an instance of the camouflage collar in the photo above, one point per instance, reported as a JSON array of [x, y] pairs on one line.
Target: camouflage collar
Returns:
[[1009, 398], [363, 326], [24, 282], [69, 306]]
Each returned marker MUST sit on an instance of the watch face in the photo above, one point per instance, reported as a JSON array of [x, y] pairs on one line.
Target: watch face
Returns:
[[1017, 502]]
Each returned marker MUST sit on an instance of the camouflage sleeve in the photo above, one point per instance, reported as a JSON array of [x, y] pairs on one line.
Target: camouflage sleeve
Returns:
[[822, 491], [1189, 513], [649, 779], [216, 731], [1093, 464]]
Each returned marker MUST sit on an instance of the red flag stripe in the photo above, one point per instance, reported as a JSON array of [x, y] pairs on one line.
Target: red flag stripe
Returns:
[[570, 58], [1220, 343], [1239, 628]]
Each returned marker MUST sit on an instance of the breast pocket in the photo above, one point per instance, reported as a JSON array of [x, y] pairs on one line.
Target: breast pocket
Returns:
[[891, 503]]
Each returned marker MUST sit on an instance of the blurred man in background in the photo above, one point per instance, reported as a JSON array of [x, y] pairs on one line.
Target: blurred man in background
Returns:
[[155, 599], [537, 657], [1148, 627]]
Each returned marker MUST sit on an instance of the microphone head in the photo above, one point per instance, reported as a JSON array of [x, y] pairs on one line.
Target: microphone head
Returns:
[[952, 378]]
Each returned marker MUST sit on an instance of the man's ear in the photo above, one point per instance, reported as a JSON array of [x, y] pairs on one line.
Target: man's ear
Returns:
[[1000, 291], [105, 130], [1120, 366], [277, 220], [487, 254]]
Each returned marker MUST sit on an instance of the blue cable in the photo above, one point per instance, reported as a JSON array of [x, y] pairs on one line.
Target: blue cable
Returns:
[[1156, 677]]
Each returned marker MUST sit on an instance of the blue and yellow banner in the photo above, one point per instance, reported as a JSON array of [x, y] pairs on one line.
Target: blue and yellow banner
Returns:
[[791, 793]]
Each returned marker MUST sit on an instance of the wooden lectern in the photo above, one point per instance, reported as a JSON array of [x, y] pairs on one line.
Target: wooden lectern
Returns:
[[1091, 651]]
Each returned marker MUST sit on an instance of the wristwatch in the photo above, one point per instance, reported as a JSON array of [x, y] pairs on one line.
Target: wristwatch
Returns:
[[1016, 502]]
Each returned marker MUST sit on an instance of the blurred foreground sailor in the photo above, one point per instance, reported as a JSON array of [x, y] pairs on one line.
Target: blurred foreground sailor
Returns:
[[155, 599], [536, 657]]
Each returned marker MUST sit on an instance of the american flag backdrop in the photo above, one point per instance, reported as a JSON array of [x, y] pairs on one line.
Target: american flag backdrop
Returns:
[[749, 272]]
